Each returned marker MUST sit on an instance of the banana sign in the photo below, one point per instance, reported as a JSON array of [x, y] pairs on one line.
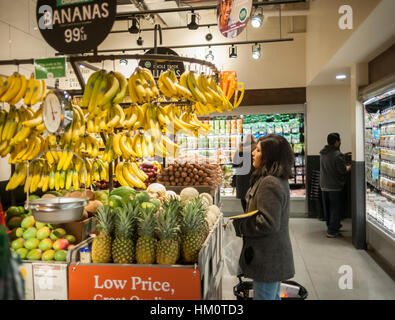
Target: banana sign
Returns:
[[75, 26]]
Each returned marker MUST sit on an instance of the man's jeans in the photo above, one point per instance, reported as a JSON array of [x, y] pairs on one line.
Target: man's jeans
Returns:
[[333, 209], [266, 290]]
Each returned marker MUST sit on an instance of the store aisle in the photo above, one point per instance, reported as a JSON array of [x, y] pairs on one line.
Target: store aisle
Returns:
[[318, 260]]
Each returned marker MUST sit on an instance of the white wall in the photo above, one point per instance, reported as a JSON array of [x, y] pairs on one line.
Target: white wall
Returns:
[[328, 110], [19, 40]]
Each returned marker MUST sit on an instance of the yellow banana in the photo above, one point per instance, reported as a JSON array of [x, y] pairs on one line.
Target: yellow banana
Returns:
[[119, 175], [110, 91], [123, 87], [89, 89]]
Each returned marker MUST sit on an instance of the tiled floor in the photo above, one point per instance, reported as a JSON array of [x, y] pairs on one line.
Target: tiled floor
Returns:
[[318, 260]]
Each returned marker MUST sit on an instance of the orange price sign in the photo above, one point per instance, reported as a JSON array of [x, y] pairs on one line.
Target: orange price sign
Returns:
[[113, 282]]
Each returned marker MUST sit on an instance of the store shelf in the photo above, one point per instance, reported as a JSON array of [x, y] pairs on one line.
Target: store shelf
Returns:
[[390, 235]]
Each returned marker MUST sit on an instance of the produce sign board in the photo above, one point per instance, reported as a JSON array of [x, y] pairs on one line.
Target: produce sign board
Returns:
[[50, 281], [51, 68], [163, 65], [233, 16], [75, 26], [124, 282]]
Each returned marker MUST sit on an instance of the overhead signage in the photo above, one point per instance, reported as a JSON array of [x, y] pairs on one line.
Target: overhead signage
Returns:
[[163, 65], [75, 26], [233, 16], [51, 68]]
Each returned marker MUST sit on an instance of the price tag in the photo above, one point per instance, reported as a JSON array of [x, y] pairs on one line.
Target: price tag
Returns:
[[75, 26]]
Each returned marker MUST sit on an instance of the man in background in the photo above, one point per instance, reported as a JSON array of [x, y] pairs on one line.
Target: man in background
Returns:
[[333, 170]]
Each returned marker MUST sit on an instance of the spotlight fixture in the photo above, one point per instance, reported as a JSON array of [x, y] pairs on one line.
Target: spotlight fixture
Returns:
[[192, 25], [209, 36], [210, 56], [123, 62], [256, 20], [140, 41], [134, 29], [256, 51], [233, 52]]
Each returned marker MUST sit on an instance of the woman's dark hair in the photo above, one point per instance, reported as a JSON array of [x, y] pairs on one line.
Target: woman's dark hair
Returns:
[[277, 158], [333, 138]]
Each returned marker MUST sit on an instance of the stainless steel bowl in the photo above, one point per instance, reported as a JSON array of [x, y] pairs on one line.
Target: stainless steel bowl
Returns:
[[57, 210]]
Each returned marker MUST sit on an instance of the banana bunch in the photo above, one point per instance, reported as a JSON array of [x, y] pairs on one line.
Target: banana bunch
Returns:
[[36, 91], [123, 145], [151, 124], [134, 118], [18, 178], [99, 171], [103, 89], [16, 87], [142, 86], [128, 174], [173, 122], [30, 122], [169, 86], [32, 147], [191, 118], [76, 129], [89, 147], [13, 89]]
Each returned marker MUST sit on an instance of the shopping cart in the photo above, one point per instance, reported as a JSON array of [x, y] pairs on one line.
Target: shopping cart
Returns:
[[290, 290]]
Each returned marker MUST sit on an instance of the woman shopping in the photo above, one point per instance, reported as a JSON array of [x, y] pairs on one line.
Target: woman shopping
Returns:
[[242, 161], [267, 257]]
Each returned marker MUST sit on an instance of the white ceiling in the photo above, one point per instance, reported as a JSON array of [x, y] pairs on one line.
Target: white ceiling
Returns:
[[374, 36]]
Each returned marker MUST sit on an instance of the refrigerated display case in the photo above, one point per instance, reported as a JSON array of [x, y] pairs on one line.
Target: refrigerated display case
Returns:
[[380, 175]]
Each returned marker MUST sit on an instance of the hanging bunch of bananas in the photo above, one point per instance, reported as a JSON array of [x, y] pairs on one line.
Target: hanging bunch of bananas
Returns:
[[16, 87], [192, 119], [34, 145], [36, 91], [104, 89], [174, 121], [89, 146], [30, 122], [142, 86], [20, 131], [169, 86], [44, 176], [128, 174], [99, 171], [134, 118]]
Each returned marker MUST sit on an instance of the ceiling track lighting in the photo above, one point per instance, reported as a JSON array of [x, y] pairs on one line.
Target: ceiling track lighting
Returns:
[[257, 18], [134, 29], [140, 41], [256, 51], [192, 25], [233, 52]]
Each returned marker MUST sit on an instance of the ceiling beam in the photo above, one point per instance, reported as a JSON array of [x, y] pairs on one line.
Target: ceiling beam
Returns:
[[128, 15]]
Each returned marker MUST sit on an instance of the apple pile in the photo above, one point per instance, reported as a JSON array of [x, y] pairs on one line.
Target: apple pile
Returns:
[[151, 170]]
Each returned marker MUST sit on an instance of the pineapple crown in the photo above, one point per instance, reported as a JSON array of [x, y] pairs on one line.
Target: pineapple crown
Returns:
[[146, 222], [167, 226], [124, 223], [105, 219], [192, 217]]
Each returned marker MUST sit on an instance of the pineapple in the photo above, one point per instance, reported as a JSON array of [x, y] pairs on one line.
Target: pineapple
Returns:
[[168, 250], [146, 243], [101, 246], [192, 224], [175, 205], [123, 246]]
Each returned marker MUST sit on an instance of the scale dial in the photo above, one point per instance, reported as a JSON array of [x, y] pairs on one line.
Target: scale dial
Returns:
[[52, 113]]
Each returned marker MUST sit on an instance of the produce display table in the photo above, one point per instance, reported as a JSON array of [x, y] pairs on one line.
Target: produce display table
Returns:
[[155, 282]]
